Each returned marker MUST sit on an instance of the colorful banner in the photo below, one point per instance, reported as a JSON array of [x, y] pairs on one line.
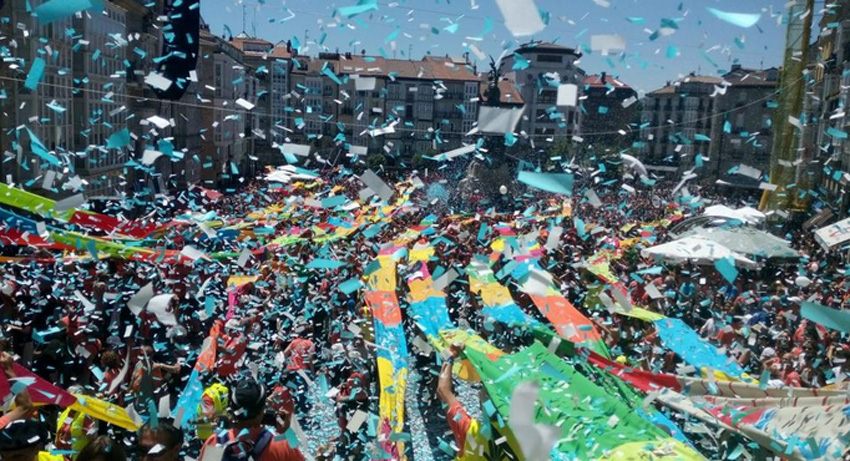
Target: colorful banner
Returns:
[[105, 411], [23, 200], [392, 357], [498, 305], [595, 424], [427, 306], [689, 345], [568, 321], [677, 336], [43, 392]]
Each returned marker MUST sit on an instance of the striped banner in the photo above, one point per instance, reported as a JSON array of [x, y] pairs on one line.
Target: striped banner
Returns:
[[380, 297]]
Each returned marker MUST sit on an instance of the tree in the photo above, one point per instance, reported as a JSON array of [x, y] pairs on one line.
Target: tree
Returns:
[[375, 161]]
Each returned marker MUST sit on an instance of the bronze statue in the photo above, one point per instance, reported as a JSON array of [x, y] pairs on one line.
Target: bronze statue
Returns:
[[494, 94]]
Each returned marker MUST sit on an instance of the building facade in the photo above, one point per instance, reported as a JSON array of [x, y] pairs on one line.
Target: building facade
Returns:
[[271, 67], [229, 93], [538, 69], [676, 123], [743, 132], [100, 99], [23, 107], [610, 112], [825, 107]]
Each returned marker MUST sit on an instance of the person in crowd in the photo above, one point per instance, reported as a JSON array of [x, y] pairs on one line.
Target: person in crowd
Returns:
[[469, 436], [160, 441], [249, 438], [300, 356], [102, 448]]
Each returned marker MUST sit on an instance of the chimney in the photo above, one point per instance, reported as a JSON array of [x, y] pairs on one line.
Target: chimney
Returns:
[[289, 46], [602, 78], [736, 67], [348, 55]]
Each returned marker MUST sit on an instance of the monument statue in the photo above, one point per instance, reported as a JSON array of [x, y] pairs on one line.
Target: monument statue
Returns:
[[485, 178]]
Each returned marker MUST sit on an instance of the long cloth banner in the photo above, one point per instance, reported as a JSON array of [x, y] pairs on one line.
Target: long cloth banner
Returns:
[[539, 285], [675, 334], [497, 300], [599, 425], [43, 392], [427, 306], [794, 423], [568, 321], [392, 357]]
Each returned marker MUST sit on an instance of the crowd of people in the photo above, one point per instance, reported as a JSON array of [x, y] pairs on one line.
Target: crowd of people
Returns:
[[294, 368]]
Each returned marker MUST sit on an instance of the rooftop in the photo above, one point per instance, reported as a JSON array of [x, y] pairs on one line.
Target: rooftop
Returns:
[[601, 81], [740, 76], [671, 88], [429, 68], [547, 47]]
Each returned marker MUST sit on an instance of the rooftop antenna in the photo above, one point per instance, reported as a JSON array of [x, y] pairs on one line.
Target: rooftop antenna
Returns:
[[243, 19], [410, 52], [254, 25]]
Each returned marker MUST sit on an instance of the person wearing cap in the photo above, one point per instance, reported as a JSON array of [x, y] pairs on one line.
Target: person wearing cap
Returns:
[[249, 438]]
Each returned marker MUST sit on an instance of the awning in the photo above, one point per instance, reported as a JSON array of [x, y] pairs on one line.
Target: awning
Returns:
[[833, 234]]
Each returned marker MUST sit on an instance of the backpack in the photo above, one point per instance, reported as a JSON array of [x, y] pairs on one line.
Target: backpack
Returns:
[[241, 450]]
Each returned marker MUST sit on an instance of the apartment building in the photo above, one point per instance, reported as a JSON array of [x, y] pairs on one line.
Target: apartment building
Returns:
[[676, 124], [826, 150], [47, 111], [271, 65], [743, 132], [429, 104], [610, 112], [100, 98], [538, 69], [711, 125], [229, 97]]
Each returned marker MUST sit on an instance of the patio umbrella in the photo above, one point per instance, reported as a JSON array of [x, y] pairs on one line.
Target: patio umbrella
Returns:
[[745, 214], [697, 250], [746, 241]]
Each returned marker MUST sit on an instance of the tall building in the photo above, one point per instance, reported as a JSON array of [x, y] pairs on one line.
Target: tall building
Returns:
[[100, 99], [229, 97], [539, 68], [271, 67], [826, 105], [610, 112], [743, 131], [676, 124], [52, 125]]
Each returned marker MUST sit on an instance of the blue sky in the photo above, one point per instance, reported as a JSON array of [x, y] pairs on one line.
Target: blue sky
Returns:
[[702, 43]]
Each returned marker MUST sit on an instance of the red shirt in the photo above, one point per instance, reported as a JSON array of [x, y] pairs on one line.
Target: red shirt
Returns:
[[300, 352], [357, 384], [459, 422], [278, 450]]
